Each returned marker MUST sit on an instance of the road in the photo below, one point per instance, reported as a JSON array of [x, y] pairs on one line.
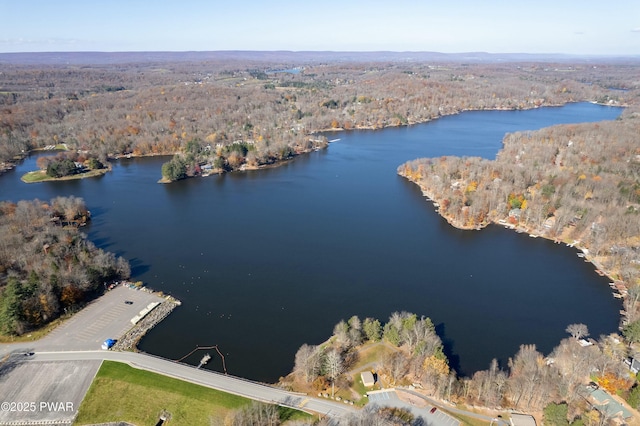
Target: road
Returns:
[[257, 391], [230, 384], [79, 339]]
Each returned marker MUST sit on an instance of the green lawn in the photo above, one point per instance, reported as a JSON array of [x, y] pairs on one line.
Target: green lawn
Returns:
[[468, 421], [37, 176], [123, 393], [41, 176]]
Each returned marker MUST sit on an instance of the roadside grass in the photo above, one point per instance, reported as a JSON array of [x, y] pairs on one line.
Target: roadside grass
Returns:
[[360, 389], [468, 421], [120, 392], [35, 334]]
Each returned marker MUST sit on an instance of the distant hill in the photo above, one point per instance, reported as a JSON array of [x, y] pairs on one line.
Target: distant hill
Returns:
[[106, 58]]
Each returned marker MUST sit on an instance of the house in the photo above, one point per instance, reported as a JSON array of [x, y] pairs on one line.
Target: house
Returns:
[[549, 222], [367, 379], [634, 366], [515, 213], [607, 405]]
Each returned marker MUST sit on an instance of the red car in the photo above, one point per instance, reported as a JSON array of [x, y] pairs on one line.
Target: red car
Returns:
[[433, 410]]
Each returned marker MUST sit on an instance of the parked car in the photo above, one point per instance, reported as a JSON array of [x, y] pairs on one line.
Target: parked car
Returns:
[[128, 302], [108, 344], [433, 410]]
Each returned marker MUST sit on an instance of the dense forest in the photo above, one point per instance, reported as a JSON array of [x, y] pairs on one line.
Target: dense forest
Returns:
[[47, 266], [230, 114], [411, 353], [577, 184]]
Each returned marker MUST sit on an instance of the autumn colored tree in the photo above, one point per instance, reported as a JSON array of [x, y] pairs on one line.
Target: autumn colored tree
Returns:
[[63, 267]]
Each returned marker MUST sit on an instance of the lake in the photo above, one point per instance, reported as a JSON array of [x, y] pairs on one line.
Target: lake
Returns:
[[267, 260]]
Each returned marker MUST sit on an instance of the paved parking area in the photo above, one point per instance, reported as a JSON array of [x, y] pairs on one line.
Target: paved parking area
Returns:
[[43, 392], [390, 398], [382, 397], [106, 317], [38, 392]]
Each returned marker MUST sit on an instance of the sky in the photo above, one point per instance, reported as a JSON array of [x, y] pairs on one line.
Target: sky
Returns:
[[580, 27]]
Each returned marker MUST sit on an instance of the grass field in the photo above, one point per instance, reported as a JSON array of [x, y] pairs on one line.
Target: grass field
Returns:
[[123, 393]]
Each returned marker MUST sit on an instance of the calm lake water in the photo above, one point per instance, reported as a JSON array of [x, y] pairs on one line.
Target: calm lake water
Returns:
[[265, 261]]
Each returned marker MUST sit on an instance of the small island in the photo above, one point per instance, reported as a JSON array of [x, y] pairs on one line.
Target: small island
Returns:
[[66, 166], [202, 159]]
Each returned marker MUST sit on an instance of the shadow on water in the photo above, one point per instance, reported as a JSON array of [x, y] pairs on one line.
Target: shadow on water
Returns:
[[138, 267], [98, 212], [102, 243], [448, 343]]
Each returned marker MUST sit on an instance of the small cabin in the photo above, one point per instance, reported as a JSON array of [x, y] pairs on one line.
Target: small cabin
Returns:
[[367, 379]]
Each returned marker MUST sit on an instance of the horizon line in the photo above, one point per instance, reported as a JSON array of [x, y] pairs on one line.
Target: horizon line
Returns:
[[476, 52]]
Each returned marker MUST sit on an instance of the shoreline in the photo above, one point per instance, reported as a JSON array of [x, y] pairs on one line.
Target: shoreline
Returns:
[[130, 339], [11, 164], [245, 168], [615, 283], [84, 175]]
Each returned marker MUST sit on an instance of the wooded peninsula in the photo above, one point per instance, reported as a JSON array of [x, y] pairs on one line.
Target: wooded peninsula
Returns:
[[575, 184]]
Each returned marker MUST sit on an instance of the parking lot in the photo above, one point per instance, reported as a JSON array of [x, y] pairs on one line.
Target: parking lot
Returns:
[[35, 392], [44, 392], [107, 317]]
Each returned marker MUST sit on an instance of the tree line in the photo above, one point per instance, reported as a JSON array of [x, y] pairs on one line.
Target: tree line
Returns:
[[423, 356], [47, 266], [577, 183], [555, 383], [67, 163], [151, 109]]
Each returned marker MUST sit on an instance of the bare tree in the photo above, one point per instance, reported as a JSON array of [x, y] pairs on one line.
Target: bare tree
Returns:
[[396, 365], [577, 331], [334, 367], [308, 362], [256, 414]]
